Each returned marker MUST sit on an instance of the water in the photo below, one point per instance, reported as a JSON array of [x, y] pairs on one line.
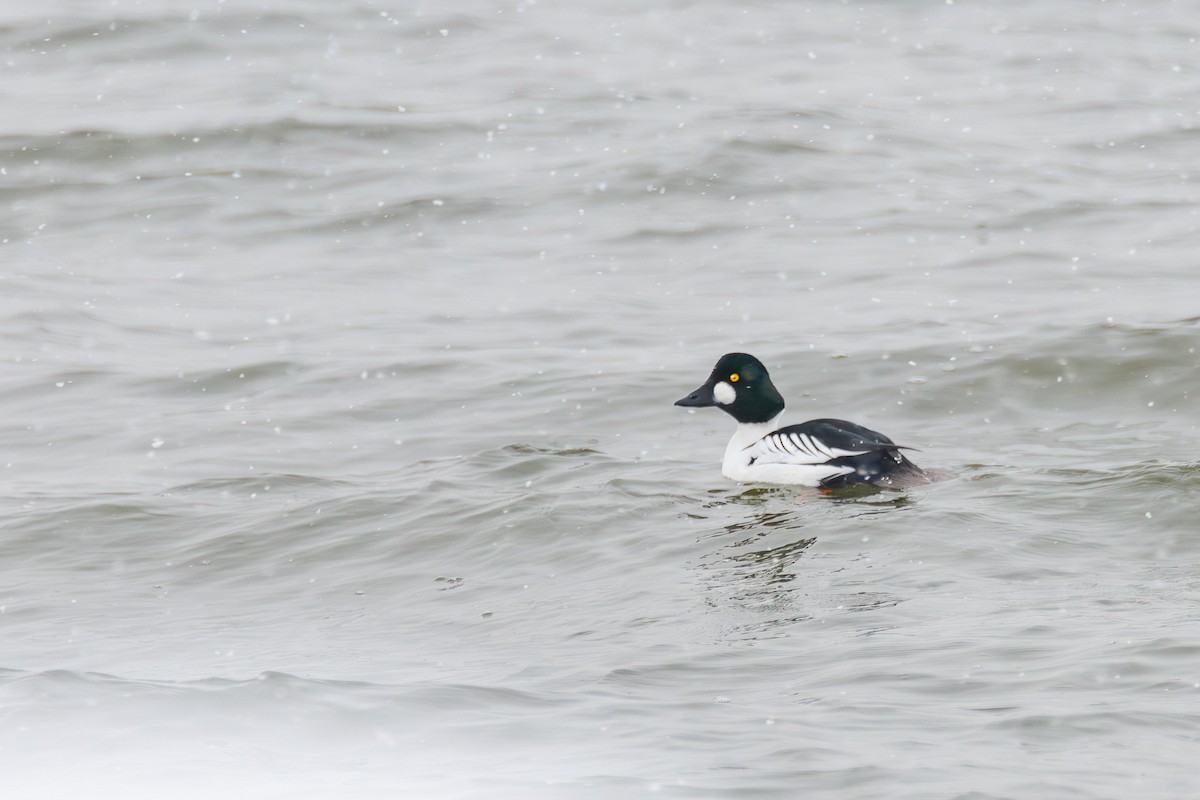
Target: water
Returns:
[[341, 342]]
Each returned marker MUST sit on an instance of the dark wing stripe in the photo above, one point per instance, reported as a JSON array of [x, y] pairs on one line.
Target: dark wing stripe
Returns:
[[824, 448], [814, 446], [796, 445], [799, 446], [810, 446]]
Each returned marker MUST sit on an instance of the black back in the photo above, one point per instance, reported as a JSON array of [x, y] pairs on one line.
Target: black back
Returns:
[[883, 465]]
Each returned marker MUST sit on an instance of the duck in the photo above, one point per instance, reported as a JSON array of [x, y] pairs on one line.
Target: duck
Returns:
[[830, 454]]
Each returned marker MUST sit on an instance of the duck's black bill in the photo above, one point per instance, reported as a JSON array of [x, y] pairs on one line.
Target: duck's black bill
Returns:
[[701, 398]]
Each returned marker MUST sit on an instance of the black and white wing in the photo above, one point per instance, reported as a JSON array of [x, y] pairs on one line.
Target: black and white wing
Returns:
[[854, 455], [819, 441]]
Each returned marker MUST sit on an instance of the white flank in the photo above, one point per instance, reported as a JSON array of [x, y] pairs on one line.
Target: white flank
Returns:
[[758, 453]]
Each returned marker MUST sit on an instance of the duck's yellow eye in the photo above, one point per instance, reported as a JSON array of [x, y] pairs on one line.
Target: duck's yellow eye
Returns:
[[734, 378]]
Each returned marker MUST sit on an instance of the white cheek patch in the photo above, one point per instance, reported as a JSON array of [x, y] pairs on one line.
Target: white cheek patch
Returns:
[[724, 393]]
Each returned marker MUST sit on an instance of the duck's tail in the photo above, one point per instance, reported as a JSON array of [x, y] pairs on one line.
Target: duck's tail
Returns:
[[884, 469]]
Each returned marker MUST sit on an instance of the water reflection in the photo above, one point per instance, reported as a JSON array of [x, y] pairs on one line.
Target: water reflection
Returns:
[[756, 568], [769, 566], [765, 539]]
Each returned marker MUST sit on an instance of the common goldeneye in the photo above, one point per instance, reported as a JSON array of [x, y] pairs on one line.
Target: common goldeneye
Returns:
[[830, 453]]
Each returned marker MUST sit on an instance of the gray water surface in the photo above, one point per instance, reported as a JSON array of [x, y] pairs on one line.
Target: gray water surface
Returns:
[[341, 341]]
